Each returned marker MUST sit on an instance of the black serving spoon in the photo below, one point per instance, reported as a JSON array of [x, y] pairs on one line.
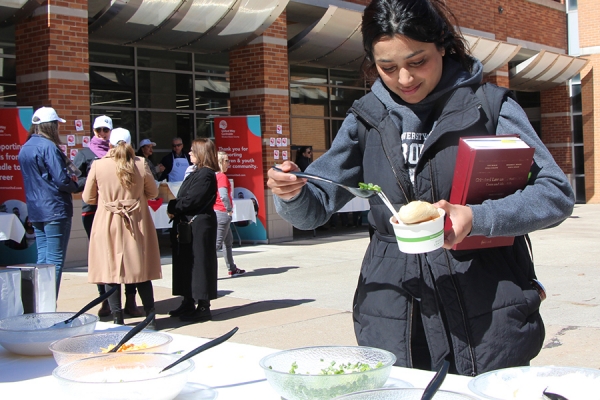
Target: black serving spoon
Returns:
[[134, 331], [200, 349], [86, 308], [436, 382]]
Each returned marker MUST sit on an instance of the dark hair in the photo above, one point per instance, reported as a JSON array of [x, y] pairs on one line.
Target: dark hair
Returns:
[[428, 21], [300, 152], [206, 153]]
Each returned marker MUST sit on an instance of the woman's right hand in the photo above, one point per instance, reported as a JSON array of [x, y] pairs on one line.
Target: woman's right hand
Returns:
[[285, 185]]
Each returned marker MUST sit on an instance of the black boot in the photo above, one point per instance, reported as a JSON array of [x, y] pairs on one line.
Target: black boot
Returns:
[[131, 307], [201, 314], [187, 307], [104, 311], [118, 317], [152, 325]]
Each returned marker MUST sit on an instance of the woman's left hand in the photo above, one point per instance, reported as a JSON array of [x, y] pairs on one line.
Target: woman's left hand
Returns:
[[462, 222]]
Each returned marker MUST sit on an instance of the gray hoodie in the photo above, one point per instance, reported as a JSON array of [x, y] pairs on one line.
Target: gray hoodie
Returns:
[[543, 204]]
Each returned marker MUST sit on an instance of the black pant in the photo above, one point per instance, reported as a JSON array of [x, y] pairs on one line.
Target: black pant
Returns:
[[146, 294], [88, 220]]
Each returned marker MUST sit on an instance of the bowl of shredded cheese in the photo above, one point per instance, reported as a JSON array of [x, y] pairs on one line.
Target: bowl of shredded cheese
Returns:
[[84, 346]]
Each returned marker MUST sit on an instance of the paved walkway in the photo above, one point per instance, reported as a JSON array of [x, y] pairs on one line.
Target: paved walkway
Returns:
[[300, 293]]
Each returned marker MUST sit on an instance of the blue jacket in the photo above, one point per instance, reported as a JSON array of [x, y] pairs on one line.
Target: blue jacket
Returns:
[[48, 185]]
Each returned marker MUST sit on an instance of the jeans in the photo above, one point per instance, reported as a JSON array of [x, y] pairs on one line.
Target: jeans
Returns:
[[225, 238], [52, 239]]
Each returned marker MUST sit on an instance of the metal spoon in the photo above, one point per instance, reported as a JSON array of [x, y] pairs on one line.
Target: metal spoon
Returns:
[[136, 329], [358, 192], [200, 349], [86, 308], [436, 382], [553, 396]]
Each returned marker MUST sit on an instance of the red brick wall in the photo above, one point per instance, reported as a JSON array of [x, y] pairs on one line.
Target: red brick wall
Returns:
[[556, 126], [55, 44], [263, 66], [589, 15]]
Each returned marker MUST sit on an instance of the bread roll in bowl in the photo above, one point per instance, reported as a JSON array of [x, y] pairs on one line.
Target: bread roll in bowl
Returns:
[[417, 211]]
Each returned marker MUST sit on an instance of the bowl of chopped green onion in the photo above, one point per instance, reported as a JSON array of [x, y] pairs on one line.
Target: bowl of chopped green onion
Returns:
[[326, 372]]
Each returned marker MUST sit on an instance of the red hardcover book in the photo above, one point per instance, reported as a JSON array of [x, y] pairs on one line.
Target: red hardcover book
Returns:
[[488, 167]]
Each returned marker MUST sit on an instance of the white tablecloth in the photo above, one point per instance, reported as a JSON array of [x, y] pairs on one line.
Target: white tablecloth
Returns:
[[11, 227], [229, 371], [243, 210], [356, 204]]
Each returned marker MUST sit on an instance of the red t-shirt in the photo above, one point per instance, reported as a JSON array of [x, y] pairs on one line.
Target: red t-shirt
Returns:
[[222, 182]]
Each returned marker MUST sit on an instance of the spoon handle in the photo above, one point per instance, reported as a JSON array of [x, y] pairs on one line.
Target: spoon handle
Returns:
[[436, 382], [205, 346], [307, 176], [91, 304], [136, 329]]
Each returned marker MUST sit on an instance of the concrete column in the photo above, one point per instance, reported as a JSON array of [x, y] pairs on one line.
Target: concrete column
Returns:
[[260, 86]]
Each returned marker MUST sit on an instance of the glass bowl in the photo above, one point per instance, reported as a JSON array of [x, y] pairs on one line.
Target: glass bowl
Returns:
[[530, 382], [308, 381], [84, 346], [403, 394], [31, 334], [124, 376]]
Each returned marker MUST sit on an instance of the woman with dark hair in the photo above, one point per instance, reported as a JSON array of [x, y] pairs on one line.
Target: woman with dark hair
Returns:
[[50, 179], [303, 157], [195, 257], [123, 241], [145, 150], [477, 309]]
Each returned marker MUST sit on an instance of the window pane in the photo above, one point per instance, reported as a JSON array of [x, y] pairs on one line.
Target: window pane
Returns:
[[579, 160], [309, 100], [162, 127], [112, 87], [580, 190], [308, 75], [212, 64], [576, 98], [204, 127], [161, 59], [528, 99], [164, 90], [346, 78], [212, 93], [120, 118], [311, 132], [577, 129], [342, 99], [109, 54]]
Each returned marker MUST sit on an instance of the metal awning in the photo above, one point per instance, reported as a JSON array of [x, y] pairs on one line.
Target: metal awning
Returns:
[[544, 71], [335, 41], [202, 26], [12, 11], [493, 53]]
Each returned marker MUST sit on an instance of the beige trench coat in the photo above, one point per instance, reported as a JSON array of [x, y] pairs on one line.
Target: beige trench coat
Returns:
[[123, 242]]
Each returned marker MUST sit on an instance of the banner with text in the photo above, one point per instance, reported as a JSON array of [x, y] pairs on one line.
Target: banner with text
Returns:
[[14, 128], [241, 139]]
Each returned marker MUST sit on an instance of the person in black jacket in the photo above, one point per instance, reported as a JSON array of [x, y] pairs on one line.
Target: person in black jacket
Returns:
[[175, 163], [478, 309], [195, 261]]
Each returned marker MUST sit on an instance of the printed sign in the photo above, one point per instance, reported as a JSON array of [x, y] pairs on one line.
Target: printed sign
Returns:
[[279, 129], [272, 142], [284, 155], [241, 139], [70, 140], [78, 125], [276, 154], [85, 141], [73, 153]]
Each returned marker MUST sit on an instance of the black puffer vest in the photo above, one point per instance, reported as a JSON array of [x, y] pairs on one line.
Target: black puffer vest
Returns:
[[478, 305]]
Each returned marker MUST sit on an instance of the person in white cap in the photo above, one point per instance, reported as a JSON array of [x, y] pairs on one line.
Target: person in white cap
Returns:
[[145, 149], [123, 243], [48, 188], [99, 146]]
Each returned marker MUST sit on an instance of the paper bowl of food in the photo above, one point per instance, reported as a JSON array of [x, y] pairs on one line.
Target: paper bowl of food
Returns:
[[127, 376], [403, 394], [85, 346], [32, 334], [420, 229], [530, 383], [325, 372]]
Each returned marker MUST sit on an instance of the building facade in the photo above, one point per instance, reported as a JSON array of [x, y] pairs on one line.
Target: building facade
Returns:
[[166, 69]]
